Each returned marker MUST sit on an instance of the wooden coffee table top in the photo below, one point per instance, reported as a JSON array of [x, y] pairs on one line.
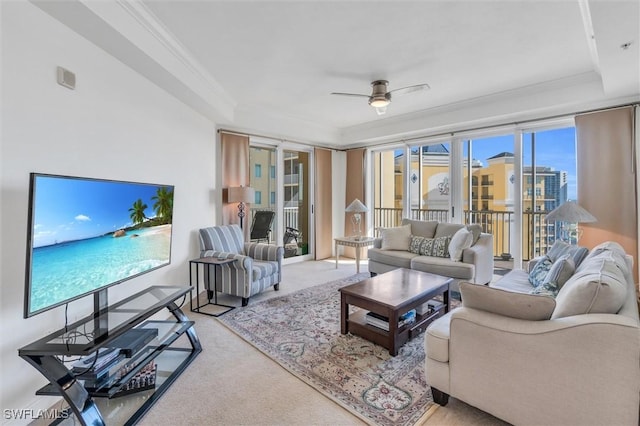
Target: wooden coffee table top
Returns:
[[396, 288]]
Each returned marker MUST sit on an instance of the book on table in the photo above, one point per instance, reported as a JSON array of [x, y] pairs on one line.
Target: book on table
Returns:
[[429, 307], [382, 322]]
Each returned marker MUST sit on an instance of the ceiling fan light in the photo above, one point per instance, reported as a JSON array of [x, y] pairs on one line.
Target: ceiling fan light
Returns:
[[379, 101]]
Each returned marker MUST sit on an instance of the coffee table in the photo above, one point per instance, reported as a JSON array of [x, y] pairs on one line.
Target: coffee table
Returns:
[[391, 295]]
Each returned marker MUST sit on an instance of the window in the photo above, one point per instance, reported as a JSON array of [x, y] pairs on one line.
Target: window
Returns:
[[258, 170], [273, 172], [258, 197], [273, 198]]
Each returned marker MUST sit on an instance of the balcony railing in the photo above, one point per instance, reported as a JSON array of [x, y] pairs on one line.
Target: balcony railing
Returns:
[[537, 235]]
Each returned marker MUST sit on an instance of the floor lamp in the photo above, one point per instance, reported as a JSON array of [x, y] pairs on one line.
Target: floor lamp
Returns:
[[241, 195], [570, 212]]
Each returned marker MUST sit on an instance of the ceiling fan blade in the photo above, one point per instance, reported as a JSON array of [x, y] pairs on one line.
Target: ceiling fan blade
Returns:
[[350, 94], [410, 89]]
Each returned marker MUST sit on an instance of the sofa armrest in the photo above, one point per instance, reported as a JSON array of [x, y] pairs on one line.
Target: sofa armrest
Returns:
[[377, 243], [242, 261], [593, 357], [481, 256], [261, 251]]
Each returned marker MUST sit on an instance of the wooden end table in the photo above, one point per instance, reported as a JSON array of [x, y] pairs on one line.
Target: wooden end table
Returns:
[[358, 243], [391, 295]]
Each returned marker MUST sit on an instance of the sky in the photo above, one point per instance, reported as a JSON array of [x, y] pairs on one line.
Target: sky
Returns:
[[67, 209], [554, 148]]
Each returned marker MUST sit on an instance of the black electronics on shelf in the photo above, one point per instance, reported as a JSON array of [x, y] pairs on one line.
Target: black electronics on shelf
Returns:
[[163, 347]]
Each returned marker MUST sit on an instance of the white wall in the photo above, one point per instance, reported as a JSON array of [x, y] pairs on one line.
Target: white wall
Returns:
[[115, 125]]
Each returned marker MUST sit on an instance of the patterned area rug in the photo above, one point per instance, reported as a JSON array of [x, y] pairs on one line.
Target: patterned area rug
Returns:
[[301, 332]]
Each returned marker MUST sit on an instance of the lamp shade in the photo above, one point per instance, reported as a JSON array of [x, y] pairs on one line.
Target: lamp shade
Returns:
[[356, 206], [241, 194], [570, 212]]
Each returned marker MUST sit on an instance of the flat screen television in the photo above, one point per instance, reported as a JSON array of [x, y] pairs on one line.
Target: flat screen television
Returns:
[[85, 235]]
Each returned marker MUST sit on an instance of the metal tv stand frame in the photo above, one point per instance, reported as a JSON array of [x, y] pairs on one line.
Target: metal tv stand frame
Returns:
[[170, 351]]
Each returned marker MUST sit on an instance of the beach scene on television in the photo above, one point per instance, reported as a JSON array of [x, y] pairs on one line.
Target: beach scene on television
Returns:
[[87, 234]]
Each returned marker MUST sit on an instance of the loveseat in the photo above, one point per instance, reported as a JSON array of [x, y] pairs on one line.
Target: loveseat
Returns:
[[519, 353], [403, 247]]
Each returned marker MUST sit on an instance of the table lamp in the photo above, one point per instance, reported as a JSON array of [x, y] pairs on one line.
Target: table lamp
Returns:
[[571, 213], [357, 208]]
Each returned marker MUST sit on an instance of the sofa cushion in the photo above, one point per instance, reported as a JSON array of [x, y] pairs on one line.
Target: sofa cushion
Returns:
[[507, 303], [560, 248], [461, 240], [540, 271], [443, 266], [475, 230], [397, 258], [445, 229], [515, 280], [599, 287], [397, 238], [561, 270], [421, 228]]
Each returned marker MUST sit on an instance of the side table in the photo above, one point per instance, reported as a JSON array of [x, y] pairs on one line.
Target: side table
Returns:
[[353, 242], [207, 262]]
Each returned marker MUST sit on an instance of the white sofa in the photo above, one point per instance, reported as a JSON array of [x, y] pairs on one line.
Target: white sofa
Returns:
[[475, 265], [535, 360]]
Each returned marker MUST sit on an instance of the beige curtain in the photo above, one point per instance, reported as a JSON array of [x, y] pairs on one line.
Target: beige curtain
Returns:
[[354, 189], [323, 204], [235, 172], [606, 178]]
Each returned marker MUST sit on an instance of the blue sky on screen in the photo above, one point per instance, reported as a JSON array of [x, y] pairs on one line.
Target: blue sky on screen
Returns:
[[69, 209]]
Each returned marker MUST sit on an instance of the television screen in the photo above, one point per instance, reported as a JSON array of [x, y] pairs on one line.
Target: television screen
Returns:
[[88, 234]]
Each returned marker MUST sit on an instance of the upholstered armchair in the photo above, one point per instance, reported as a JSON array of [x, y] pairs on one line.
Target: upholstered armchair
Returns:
[[257, 266]]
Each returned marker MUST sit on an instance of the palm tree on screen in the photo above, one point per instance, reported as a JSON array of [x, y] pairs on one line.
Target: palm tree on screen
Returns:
[[163, 205], [137, 212]]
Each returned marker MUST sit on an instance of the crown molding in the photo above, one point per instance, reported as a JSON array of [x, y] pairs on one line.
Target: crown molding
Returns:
[[128, 31]]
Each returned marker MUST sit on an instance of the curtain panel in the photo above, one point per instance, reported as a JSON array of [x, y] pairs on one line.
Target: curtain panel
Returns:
[[607, 178], [235, 172], [323, 204], [354, 189]]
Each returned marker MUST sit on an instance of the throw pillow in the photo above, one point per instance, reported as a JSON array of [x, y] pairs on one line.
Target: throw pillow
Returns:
[[460, 241], [438, 247], [561, 270], [560, 248], [540, 271], [397, 238], [507, 303], [475, 230], [600, 287]]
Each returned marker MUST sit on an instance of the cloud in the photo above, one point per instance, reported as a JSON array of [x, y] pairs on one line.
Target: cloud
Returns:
[[83, 218]]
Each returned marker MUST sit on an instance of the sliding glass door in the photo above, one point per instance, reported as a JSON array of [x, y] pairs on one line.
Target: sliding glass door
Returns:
[[281, 179], [506, 182]]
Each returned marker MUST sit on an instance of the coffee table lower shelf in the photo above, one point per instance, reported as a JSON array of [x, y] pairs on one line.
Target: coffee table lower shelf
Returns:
[[358, 325]]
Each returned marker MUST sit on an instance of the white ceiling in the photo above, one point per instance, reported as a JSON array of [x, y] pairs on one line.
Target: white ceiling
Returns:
[[270, 66]]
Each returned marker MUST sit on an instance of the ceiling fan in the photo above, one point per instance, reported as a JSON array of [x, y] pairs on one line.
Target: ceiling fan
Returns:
[[380, 95]]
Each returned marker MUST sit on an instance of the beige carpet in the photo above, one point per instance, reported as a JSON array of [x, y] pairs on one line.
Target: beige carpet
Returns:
[[232, 383]]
